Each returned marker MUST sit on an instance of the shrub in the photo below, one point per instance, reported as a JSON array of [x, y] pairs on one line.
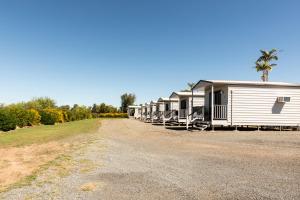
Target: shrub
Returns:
[[21, 115], [7, 120], [51, 116], [79, 113], [40, 103], [34, 117], [112, 115]]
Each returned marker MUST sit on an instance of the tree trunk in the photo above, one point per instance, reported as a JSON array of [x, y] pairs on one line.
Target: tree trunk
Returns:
[[265, 76]]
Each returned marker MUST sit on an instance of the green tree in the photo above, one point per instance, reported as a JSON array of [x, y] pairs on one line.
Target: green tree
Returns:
[[94, 108], [263, 63], [41, 103], [127, 99]]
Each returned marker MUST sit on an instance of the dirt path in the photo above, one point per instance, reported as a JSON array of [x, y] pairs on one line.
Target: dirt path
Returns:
[[129, 159]]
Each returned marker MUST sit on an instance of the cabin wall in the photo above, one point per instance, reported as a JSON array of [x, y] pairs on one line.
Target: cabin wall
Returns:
[[257, 105], [174, 105], [137, 112], [161, 106], [197, 101]]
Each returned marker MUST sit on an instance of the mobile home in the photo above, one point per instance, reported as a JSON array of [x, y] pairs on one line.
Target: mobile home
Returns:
[[169, 109], [143, 112], [148, 112], [250, 103], [155, 113], [188, 103], [134, 111]]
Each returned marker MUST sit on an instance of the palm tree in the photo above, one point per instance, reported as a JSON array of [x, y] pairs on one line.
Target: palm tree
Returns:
[[263, 63], [190, 86]]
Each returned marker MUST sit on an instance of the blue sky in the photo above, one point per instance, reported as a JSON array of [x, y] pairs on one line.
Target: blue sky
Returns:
[[88, 52]]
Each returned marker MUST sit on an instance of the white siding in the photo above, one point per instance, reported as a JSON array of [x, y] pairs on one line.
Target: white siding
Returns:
[[198, 101], [174, 105], [257, 105], [161, 107]]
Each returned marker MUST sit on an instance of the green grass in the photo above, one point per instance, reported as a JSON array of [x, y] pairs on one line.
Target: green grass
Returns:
[[42, 134]]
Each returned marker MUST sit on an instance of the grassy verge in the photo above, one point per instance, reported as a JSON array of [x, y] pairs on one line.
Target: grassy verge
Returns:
[[43, 134]]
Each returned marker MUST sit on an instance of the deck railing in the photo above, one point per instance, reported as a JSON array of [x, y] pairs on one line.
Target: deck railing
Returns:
[[220, 112]]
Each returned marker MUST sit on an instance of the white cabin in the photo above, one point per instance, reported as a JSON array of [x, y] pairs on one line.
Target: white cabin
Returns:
[[187, 101], [168, 106], [148, 111], [134, 111], [143, 112], [250, 103]]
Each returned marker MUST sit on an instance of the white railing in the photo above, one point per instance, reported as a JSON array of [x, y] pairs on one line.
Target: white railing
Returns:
[[220, 112], [182, 113]]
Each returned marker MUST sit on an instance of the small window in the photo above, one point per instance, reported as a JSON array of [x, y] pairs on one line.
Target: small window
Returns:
[[167, 107], [183, 104], [287, 99]]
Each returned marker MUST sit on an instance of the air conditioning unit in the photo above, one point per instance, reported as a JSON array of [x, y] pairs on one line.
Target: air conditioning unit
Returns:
[[283, 99]]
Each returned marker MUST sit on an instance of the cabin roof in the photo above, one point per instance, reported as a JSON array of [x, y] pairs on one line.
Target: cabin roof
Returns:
[[134, 106], [249, 83], [186, 94], [165, 99], [153, 102]]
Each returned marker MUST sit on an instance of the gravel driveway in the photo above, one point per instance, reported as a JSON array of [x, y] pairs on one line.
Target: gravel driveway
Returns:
[[128, 159]]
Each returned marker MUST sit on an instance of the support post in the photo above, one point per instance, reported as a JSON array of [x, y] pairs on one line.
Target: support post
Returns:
[[236, 128], [187, 123], [212, 104], [192, 103], [212, 128]]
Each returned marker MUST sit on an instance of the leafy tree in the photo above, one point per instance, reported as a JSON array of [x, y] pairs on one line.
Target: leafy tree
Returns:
[[65, 108], [127, 100], [94, 108], [41, 103], [263, 63], [79, 113]]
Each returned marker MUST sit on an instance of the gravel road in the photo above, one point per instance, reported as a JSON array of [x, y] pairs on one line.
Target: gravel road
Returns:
[[128, 159]]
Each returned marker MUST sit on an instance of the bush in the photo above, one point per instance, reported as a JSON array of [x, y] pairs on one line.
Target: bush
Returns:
[[34, 117], [79, 113], [21, 115], [51, 116], [112, 115], [7, 120]]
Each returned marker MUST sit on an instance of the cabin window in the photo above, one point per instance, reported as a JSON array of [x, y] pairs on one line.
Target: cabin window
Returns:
[[218, 98], [183, 104], [167, 107]]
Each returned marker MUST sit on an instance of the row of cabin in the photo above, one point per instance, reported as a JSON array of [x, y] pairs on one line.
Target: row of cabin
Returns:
[[227, 103]]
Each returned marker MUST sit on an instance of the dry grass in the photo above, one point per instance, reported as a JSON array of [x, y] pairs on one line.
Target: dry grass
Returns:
[[87, 165], [91, 186], [88, 187], [20, 161]]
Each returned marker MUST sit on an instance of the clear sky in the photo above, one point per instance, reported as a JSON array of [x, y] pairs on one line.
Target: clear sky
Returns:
[[88, 52]]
